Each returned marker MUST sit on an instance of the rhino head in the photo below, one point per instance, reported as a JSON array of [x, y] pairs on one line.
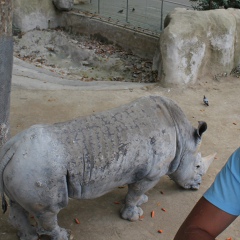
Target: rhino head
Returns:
[[192, 166]]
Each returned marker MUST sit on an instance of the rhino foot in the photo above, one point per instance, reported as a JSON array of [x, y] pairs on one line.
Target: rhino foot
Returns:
[[131, 213], [70, 236], [64, 234], [24, 236], [57, 234], [143, 199]]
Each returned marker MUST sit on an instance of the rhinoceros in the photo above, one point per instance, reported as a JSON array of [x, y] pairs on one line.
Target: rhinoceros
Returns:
[[134, 144]]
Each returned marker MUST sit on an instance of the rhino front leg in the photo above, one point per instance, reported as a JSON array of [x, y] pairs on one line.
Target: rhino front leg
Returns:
[[48, 225], [135, 197], [19, 218]]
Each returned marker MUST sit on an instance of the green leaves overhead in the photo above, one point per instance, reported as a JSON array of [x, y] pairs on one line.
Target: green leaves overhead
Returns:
[[215, 4]]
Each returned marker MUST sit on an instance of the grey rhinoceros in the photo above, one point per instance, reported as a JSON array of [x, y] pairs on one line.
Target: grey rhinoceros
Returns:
[[135, 144]]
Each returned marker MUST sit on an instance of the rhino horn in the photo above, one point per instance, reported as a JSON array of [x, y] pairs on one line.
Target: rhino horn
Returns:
[[207, 161]]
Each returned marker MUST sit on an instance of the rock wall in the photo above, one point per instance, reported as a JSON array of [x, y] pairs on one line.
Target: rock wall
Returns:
[[80, 1], [196, 43], [143, 45], [63, 5], [28, 15]]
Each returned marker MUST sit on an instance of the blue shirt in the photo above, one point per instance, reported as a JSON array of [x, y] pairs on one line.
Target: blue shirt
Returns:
[[225, 190]]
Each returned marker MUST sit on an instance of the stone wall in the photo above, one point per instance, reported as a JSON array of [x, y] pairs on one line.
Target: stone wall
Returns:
[[28, 15], [143, 45]]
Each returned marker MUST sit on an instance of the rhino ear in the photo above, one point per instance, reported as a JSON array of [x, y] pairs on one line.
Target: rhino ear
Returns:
[[202, 127]]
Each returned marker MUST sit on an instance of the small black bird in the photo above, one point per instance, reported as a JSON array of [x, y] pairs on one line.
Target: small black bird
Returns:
[[120, 11], [133, 9], [205, 101]]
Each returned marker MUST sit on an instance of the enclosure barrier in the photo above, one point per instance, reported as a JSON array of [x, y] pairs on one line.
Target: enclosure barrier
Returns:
[[144, 14]]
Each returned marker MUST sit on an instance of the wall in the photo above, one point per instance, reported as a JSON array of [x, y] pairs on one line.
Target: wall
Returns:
[[28, 15], [141, 44]]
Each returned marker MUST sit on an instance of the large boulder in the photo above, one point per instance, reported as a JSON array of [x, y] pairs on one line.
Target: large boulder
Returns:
[[196, 43], [63, 5], [29, 15]]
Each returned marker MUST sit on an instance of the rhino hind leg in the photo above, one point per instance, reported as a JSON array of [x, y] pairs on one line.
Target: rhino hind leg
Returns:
[[48, 225], [143, 199], [135, 197], [19, 218]]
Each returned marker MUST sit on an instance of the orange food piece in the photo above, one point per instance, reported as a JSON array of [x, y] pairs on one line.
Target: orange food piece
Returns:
[[160, 231], [163, 209], [77, 221], [229, 238], [152, 214]]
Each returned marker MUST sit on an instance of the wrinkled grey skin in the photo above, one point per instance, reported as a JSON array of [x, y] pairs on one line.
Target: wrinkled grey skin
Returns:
[[134, 144]]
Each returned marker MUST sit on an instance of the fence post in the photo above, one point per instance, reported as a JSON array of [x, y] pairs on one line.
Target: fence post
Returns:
[[161, 27], [127, 12], [98, 6], [6, 64]]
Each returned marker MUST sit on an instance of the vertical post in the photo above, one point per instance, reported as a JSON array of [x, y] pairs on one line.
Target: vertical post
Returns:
[[98, 6], [127, 12], [6, 63], [161, 27]]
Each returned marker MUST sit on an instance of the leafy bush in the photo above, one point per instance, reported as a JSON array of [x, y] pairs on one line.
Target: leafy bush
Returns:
[[215, 4]]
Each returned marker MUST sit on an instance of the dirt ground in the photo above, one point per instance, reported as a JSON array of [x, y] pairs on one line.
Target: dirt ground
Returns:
[[99, 218], [79, 57]]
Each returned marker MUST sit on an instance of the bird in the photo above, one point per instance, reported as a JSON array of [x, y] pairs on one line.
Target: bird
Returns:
[[205, 101], [120, 11], [133, 9]]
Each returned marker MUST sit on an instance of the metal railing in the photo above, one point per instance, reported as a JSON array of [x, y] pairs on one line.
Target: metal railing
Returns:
[[144, 14]]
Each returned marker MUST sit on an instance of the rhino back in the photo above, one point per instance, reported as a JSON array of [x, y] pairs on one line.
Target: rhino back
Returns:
[[118, 146]]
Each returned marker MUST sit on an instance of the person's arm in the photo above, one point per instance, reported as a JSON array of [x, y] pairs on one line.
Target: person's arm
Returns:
[[205, 222]]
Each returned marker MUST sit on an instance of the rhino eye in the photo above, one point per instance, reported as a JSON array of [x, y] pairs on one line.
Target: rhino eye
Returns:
[[198, 166]]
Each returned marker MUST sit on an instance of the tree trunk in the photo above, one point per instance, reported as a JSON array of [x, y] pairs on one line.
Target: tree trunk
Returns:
[[210, 4], [6, 63]]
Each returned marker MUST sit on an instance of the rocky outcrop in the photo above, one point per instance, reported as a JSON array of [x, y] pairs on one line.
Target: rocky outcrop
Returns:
[[80, 1], [37, 14], [63, 5], [196, 43]]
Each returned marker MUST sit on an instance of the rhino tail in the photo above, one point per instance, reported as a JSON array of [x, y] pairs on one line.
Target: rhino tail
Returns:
[[7, 152]]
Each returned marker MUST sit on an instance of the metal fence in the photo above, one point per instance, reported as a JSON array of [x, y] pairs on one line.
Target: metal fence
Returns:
[[144, 14]]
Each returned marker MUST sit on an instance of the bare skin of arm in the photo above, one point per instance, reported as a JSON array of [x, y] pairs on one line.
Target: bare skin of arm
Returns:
[[205, 222]]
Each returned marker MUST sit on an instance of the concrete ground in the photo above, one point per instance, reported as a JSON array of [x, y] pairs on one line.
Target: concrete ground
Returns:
[[39, 96]]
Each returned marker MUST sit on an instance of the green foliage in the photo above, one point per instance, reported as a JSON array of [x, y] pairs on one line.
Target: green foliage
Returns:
[[215, 4]]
